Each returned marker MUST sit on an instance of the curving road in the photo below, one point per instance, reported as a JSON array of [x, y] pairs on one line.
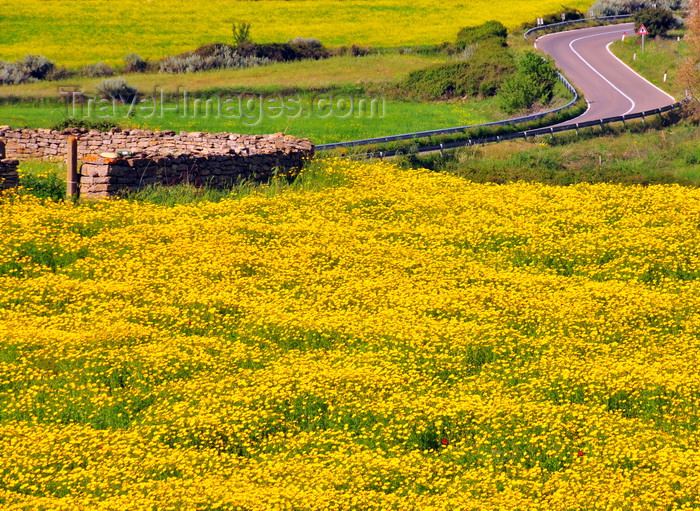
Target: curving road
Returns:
[[610, 87]]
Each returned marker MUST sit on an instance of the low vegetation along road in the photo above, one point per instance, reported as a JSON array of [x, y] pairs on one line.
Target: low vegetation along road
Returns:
[[610, 87]]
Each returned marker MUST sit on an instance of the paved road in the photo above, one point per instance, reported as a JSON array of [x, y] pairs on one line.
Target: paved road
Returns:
[[610, 87]]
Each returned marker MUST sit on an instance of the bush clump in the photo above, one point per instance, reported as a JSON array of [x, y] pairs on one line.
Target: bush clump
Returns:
[[245, 54], [133, 63], [10, 74], [487, 63], [45, 185], [533, 83], [60, 73], [31, 68], [618, 7], [491, 32], [474, 77], [352, 51], [296, 49], [36, 67], [213, 56], [657, 21], [116, 88], [96, 70], [85, 124]]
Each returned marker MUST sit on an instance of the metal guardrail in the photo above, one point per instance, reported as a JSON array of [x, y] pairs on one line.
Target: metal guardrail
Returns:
[[514, 121], [449, 131], [581, 20], [528, 133]]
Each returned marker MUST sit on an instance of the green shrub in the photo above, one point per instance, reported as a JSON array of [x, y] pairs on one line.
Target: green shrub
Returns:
[[475, 77], [240, 32], [487, 64], [534, 82], [542, 72], [492, 32], [42, 183], [87, 124], [516, 94], [657, 21]]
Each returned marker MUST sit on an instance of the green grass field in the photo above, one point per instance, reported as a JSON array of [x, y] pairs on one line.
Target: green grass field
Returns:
[[346, 77], [82, 31], [399, 117]]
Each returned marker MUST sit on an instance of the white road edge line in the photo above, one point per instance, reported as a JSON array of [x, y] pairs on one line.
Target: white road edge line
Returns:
[[621, 62], [571, 46]]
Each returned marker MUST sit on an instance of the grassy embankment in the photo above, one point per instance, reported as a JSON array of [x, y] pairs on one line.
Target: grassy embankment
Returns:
[[662, 55], [644, 155]]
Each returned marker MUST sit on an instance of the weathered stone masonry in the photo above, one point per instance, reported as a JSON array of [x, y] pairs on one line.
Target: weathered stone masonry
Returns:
[[217, 160], [9, 177], [104, 177]]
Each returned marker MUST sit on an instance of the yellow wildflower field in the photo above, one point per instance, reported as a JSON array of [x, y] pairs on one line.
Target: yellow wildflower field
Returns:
[[83, 31], [400, 340]]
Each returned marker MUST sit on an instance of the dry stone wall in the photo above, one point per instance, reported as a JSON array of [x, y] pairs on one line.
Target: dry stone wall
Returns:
[[106, 177], [9, 176], [52, 145], [164, 157]]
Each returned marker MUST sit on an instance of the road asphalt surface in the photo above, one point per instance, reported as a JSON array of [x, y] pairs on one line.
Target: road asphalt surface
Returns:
[[610, 87]]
